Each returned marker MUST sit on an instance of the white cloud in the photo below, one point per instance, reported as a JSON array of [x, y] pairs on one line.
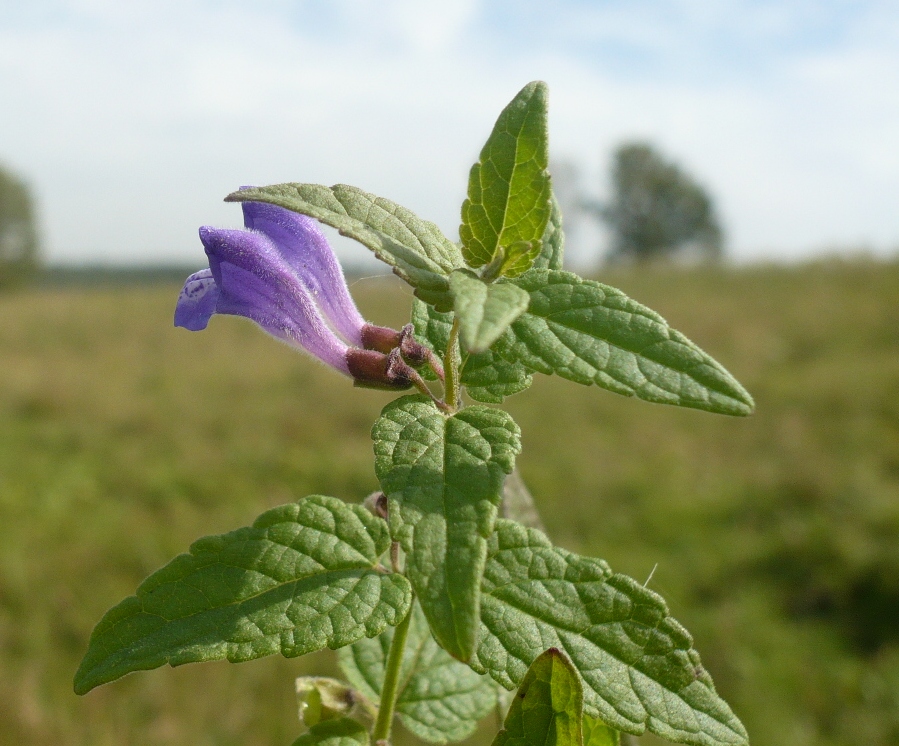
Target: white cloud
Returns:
[[132, 120]]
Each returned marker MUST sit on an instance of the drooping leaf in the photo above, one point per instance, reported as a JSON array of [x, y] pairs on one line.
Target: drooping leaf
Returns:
[[546, 710], [591, 333], [485, 310], [340, 732], [303, 577], [443, 477], [441, 699], [416, 249], [597, 733], [637, 664], [553, 244], [509, 187], [486, 377]]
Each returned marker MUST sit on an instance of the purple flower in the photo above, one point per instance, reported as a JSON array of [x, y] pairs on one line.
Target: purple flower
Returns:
[[282, 273]]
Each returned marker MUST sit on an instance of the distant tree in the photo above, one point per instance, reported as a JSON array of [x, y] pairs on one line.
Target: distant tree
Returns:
[[18, 232], [657, 210]]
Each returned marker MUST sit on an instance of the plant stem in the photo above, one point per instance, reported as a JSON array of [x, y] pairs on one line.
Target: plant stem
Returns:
[[390, 690], [451, 367]]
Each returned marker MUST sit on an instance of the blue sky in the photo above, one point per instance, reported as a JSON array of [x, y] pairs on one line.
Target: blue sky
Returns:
[[132, 120]]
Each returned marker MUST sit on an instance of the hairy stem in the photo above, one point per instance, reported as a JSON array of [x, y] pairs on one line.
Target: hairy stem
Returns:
[[451, 367], [390, 690]]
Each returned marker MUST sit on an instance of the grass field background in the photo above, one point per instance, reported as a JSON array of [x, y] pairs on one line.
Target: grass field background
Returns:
[[775, 539]]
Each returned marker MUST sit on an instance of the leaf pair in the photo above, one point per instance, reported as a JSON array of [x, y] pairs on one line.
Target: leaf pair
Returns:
[[306, 576]]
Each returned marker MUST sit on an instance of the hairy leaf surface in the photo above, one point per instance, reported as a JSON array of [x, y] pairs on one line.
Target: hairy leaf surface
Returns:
[[637, 664], [553, 244], [415, 248], [486, 376], [591, 333], [443, 477], [546, 710], [303, 577], [485, 310], [509, 187], [440, 699]]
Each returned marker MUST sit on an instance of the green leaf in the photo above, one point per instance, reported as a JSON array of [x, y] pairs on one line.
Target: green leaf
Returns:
[[486, 376], [597, 733], [591, 333], [305, 576], [553, 244], [509, 188], [416, 249], [443, 477], [490, 379], [341, 732], [440, 699], [637, 664], [546, 711], [484, 310]]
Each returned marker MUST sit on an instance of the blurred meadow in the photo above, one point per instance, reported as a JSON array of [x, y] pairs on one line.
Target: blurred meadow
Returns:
[[775, 539]]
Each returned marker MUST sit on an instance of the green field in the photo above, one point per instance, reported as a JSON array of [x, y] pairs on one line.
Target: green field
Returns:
[[775, 539]]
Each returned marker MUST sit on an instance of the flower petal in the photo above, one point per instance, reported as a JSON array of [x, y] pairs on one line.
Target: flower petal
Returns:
[[256, 282], [304, 247], [197, 301]]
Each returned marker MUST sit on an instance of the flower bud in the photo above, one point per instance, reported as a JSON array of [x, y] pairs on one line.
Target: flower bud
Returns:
[[375, 370], [380, 338]]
